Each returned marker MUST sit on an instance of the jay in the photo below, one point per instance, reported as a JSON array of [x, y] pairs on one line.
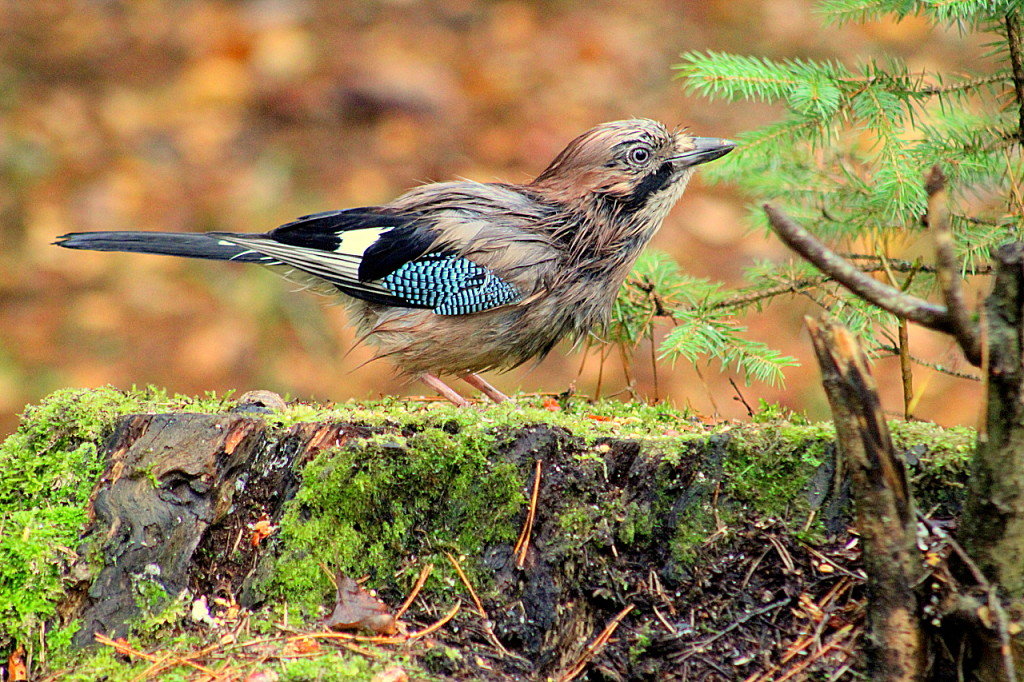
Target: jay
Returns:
[[457, 278]]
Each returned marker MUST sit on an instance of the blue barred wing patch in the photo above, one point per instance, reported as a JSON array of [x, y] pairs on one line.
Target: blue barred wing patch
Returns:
[[450, 285]]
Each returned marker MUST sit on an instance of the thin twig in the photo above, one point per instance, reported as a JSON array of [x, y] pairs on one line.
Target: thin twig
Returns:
[[480, 609], [126, 650], [893, 350], [747, 297], [899, 265], [906, 370], [705, 643], [964, 331], [902, 305], [469, 586], [430, 629], [739, 397], [965, 85]]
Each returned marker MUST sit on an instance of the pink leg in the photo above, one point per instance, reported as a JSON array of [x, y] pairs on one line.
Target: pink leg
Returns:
[[444, 389], [477, 382]]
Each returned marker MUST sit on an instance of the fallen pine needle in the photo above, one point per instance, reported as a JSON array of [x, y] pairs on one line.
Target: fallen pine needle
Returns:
[[126, 650], [833, 643], [348, 637], [595, 647], [424, 574], [480, 609], [523, 543], [469, 586], [438, 625]]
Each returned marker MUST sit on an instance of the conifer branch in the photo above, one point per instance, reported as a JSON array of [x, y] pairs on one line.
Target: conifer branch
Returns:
[[898, 265], [965, 85], [745, 298]]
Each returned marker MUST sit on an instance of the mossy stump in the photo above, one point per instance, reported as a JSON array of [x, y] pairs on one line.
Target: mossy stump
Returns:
[[720, 539]]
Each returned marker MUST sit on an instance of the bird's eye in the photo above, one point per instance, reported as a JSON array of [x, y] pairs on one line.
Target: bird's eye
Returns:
[[638, 156]]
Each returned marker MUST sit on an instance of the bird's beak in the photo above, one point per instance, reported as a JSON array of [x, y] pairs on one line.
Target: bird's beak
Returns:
[[704, 149]]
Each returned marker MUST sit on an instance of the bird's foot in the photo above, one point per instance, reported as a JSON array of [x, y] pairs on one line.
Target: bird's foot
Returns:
[[444, 389], [478, 382]]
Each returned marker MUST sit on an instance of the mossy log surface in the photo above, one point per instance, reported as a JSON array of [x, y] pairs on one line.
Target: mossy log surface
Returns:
[[717, 545]]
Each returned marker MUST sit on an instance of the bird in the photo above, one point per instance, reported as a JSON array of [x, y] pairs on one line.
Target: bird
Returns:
[[463, 277]]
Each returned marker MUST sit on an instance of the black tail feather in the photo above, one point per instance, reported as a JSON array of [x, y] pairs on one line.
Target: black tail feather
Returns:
[[197, 245]]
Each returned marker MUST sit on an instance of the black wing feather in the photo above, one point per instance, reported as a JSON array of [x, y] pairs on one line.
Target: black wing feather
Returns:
[[394, 249], [323, 230]]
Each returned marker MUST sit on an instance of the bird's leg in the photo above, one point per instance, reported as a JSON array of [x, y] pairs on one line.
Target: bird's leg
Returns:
[[478, 382], [444, 389]]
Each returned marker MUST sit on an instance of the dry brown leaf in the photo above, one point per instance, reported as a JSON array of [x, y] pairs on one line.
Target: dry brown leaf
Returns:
[[357, 609]]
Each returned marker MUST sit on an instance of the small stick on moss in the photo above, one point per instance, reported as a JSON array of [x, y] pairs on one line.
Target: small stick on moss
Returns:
[[595, 647], [523, 543], [739, 397], [346, 636], [424, 574]]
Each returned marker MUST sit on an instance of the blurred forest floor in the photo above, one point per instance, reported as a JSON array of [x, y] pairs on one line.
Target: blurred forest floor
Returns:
[[218, 115]]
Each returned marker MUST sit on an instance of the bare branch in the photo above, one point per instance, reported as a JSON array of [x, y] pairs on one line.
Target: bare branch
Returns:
[[964, 331], [901, 305]]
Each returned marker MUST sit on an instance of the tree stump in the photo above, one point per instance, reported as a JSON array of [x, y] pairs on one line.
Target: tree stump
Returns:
[[171, 478]]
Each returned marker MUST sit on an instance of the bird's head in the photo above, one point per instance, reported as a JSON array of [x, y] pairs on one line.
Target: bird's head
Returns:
[[635, 166]]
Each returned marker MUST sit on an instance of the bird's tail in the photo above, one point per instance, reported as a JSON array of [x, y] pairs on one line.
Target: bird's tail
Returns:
[[199, 245]]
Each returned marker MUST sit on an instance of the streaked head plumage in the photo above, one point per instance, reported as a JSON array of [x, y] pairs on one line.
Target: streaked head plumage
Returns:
[[635, 163]]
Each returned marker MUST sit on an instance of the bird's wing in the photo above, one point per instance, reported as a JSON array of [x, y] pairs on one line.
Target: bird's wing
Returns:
[[387, 258]]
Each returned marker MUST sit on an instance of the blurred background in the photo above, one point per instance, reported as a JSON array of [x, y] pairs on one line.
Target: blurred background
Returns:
[[217, 115]]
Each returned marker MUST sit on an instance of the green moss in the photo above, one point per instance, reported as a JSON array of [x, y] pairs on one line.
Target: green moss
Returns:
[[770, 466], [333, 666], [590, 421], [692, 532], [939, 463], [365, 509]]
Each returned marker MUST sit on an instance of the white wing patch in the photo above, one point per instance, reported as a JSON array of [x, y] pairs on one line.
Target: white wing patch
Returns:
[[356, 242]]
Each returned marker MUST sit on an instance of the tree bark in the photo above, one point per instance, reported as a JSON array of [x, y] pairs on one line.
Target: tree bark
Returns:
[[993, 528]]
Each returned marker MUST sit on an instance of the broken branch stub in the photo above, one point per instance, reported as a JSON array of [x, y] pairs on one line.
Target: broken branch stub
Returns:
[[884, 506]]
